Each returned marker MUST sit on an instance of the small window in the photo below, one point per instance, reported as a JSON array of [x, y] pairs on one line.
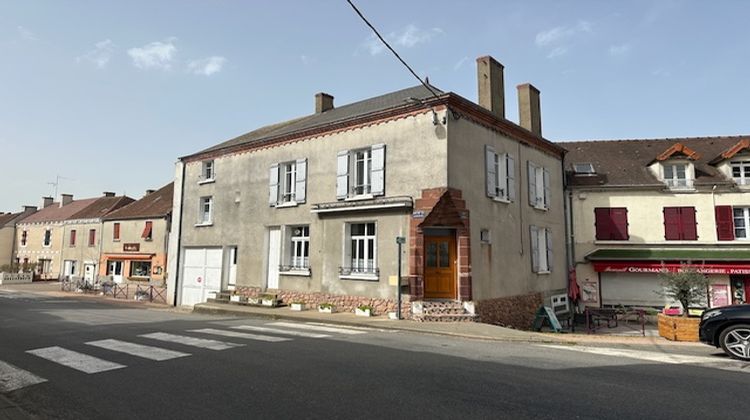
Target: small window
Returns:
[[92, 237], [676, 176], [300, 247], [484, 236], [207, 172], [24, 237], [205, 216], [361, 250], [47, 238], [116, 232], [741, 172], [741, 222], [148, 231], [73, 238], [585, 168]]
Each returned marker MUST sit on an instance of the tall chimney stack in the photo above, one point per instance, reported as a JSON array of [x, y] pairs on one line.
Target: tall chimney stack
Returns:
[[29, 209], [529, 108], [491, 85], [323, 102], [47, 201], [65, 199], [108, 194]]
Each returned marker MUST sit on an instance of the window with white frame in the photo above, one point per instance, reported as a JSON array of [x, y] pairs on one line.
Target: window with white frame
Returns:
[[47, 241], [24, 237], [677, 176], [361, 250], [299, 239], [207, 171], [741, 172], [288, 183], [741, 222], [500, 175], [205, 213], [541, 249], [361, 172], [539, 186]]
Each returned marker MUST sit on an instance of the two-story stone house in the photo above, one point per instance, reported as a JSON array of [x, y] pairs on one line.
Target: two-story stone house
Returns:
[[8, 223], [312, 207], [82, 236], [639, 207], [135, 238]]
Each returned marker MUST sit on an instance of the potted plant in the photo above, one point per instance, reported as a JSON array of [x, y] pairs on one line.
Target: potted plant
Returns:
[[690, 288], [268, 300], [297, 306], [363, 310], [326, 308], [235, 297]]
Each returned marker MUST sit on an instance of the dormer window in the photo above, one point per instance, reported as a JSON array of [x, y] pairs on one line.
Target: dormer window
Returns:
[[741, 172], [677, 175], [584, 169]]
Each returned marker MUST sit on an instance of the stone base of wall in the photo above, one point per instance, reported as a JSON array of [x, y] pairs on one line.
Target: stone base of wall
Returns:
[[514, 311], [342, 303], [16, 278]]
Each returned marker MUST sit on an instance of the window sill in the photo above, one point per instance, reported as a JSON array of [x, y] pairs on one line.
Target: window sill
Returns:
[[204, 224], [115, 240], [610, 241], [540, 208], [361, 277], [544, 272], [360, 197], [287, 204], [300, 273], [207, 181], [147, 239], [501, 200]]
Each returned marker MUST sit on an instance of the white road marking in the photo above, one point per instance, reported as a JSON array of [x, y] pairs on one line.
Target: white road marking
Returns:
[[13, 378], [78, 361], [317, 328], [192, 341], [642, 355], [225, 333], [147, 352], [280, 331]]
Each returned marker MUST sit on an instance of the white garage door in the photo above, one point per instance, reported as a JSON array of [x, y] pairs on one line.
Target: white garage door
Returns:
[[631, 289], [201, 274]]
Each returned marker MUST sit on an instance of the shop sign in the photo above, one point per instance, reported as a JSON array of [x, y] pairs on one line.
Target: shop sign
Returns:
[[131, 247], [656, 268]]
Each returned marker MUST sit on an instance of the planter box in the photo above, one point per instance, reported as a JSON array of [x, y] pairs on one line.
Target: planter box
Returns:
[[362, 312], [268, 302], [297, 306], [678, 328], [326, 310], [235, 298], [392, 315]]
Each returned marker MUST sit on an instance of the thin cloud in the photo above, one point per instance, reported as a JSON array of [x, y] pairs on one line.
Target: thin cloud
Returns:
[[26, 33], [558, 39], [207, 66], [460, 63], [100, 55], [409, 37], [557, 52], [155, 55], [619, 50]]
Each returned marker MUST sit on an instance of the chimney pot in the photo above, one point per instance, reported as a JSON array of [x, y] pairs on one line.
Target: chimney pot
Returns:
[[29, 209], [149, 192], [108, 194], [491, 85], [47, 201], [323, 102], [529, 108], [65, 199]]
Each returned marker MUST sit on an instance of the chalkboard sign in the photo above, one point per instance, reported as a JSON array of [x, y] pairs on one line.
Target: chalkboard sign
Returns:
[[545, 312]]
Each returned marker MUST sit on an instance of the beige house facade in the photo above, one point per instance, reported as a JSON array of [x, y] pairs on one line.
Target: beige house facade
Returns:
[[8, 223], [642, 207], [312, 208]]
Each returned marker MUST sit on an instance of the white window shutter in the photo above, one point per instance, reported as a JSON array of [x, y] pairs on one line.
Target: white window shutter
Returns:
[[273, 185], [342, 174], [534, 240], [548, 235], [378, 169], [546, 187], [511, 171], [532, 183], [300, 187], [491, 176]]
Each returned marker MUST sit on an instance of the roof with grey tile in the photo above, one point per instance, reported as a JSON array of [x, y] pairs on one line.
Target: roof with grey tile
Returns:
[[102, 207], [155, 205], [625, 162], [55, 213]]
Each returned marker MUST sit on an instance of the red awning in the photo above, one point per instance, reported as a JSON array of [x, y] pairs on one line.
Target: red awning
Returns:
[[655, 267], [129, 256]]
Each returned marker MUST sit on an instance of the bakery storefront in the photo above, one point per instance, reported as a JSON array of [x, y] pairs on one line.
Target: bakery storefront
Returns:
[[632, 277]]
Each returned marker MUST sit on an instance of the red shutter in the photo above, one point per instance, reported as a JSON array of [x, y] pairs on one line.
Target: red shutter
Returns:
[[92, 237], [724, 223], [147, 230], [603, 223], [619, 217], [116, 233], [687, 224], [73, 238], [672, 224]]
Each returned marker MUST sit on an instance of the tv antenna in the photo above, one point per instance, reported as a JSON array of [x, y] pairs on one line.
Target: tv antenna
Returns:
[[56, 184]]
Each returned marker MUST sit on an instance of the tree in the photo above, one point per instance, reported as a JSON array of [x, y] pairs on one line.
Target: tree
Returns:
[[687, 286]]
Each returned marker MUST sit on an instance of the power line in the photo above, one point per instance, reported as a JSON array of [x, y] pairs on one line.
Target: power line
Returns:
[[392, 50]]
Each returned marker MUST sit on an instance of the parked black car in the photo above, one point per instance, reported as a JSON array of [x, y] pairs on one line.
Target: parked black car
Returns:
[[729, 328]]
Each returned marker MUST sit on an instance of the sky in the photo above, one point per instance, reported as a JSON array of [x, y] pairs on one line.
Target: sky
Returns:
[[108, 95]]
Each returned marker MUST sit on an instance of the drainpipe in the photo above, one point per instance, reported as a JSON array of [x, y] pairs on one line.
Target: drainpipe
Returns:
[[179, 238]]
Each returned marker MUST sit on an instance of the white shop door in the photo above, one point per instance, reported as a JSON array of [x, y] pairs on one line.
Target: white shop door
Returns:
[[274, 257], [201, 274]]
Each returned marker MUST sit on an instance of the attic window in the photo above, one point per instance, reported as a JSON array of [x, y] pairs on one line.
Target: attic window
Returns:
[[585, 168]]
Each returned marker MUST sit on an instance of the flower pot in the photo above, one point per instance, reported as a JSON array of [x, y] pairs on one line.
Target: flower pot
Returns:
[[268, 302], [392, 315], [297, 306], [362, 312], [678, 328], [235, 298], [325, 309]]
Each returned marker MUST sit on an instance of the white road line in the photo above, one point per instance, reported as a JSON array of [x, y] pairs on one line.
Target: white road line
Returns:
[[13, 378], [280, 331], [317, 328], [147, 352], [191, 341], [642, 355], [78, 361], [258, 337]]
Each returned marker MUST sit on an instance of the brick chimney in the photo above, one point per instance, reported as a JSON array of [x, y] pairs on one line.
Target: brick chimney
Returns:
[[108, 194], [28, 209], [491, 85], [529, 108], [65, 199], [323, 102], [47, 201]]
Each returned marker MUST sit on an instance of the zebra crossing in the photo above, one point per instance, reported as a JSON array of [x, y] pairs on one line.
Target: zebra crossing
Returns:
[[13, 377]]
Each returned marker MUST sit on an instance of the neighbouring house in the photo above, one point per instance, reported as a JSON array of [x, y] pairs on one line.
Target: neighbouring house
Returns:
[[640, 207], [8, 223], [82, 240], [311, 208], [135, 239]]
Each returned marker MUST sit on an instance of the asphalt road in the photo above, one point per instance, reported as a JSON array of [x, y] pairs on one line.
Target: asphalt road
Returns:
[[219, 367]]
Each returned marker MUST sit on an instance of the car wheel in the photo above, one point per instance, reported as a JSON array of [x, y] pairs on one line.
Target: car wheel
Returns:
[[735, 341]]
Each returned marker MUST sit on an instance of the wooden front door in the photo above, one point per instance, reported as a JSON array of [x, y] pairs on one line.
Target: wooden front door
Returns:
[[440, 267]]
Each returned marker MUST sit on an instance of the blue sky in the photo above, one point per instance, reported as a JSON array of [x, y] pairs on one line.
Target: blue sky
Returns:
[[109, 94]]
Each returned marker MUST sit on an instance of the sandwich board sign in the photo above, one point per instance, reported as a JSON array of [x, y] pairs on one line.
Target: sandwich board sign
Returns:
[[545, 312]]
